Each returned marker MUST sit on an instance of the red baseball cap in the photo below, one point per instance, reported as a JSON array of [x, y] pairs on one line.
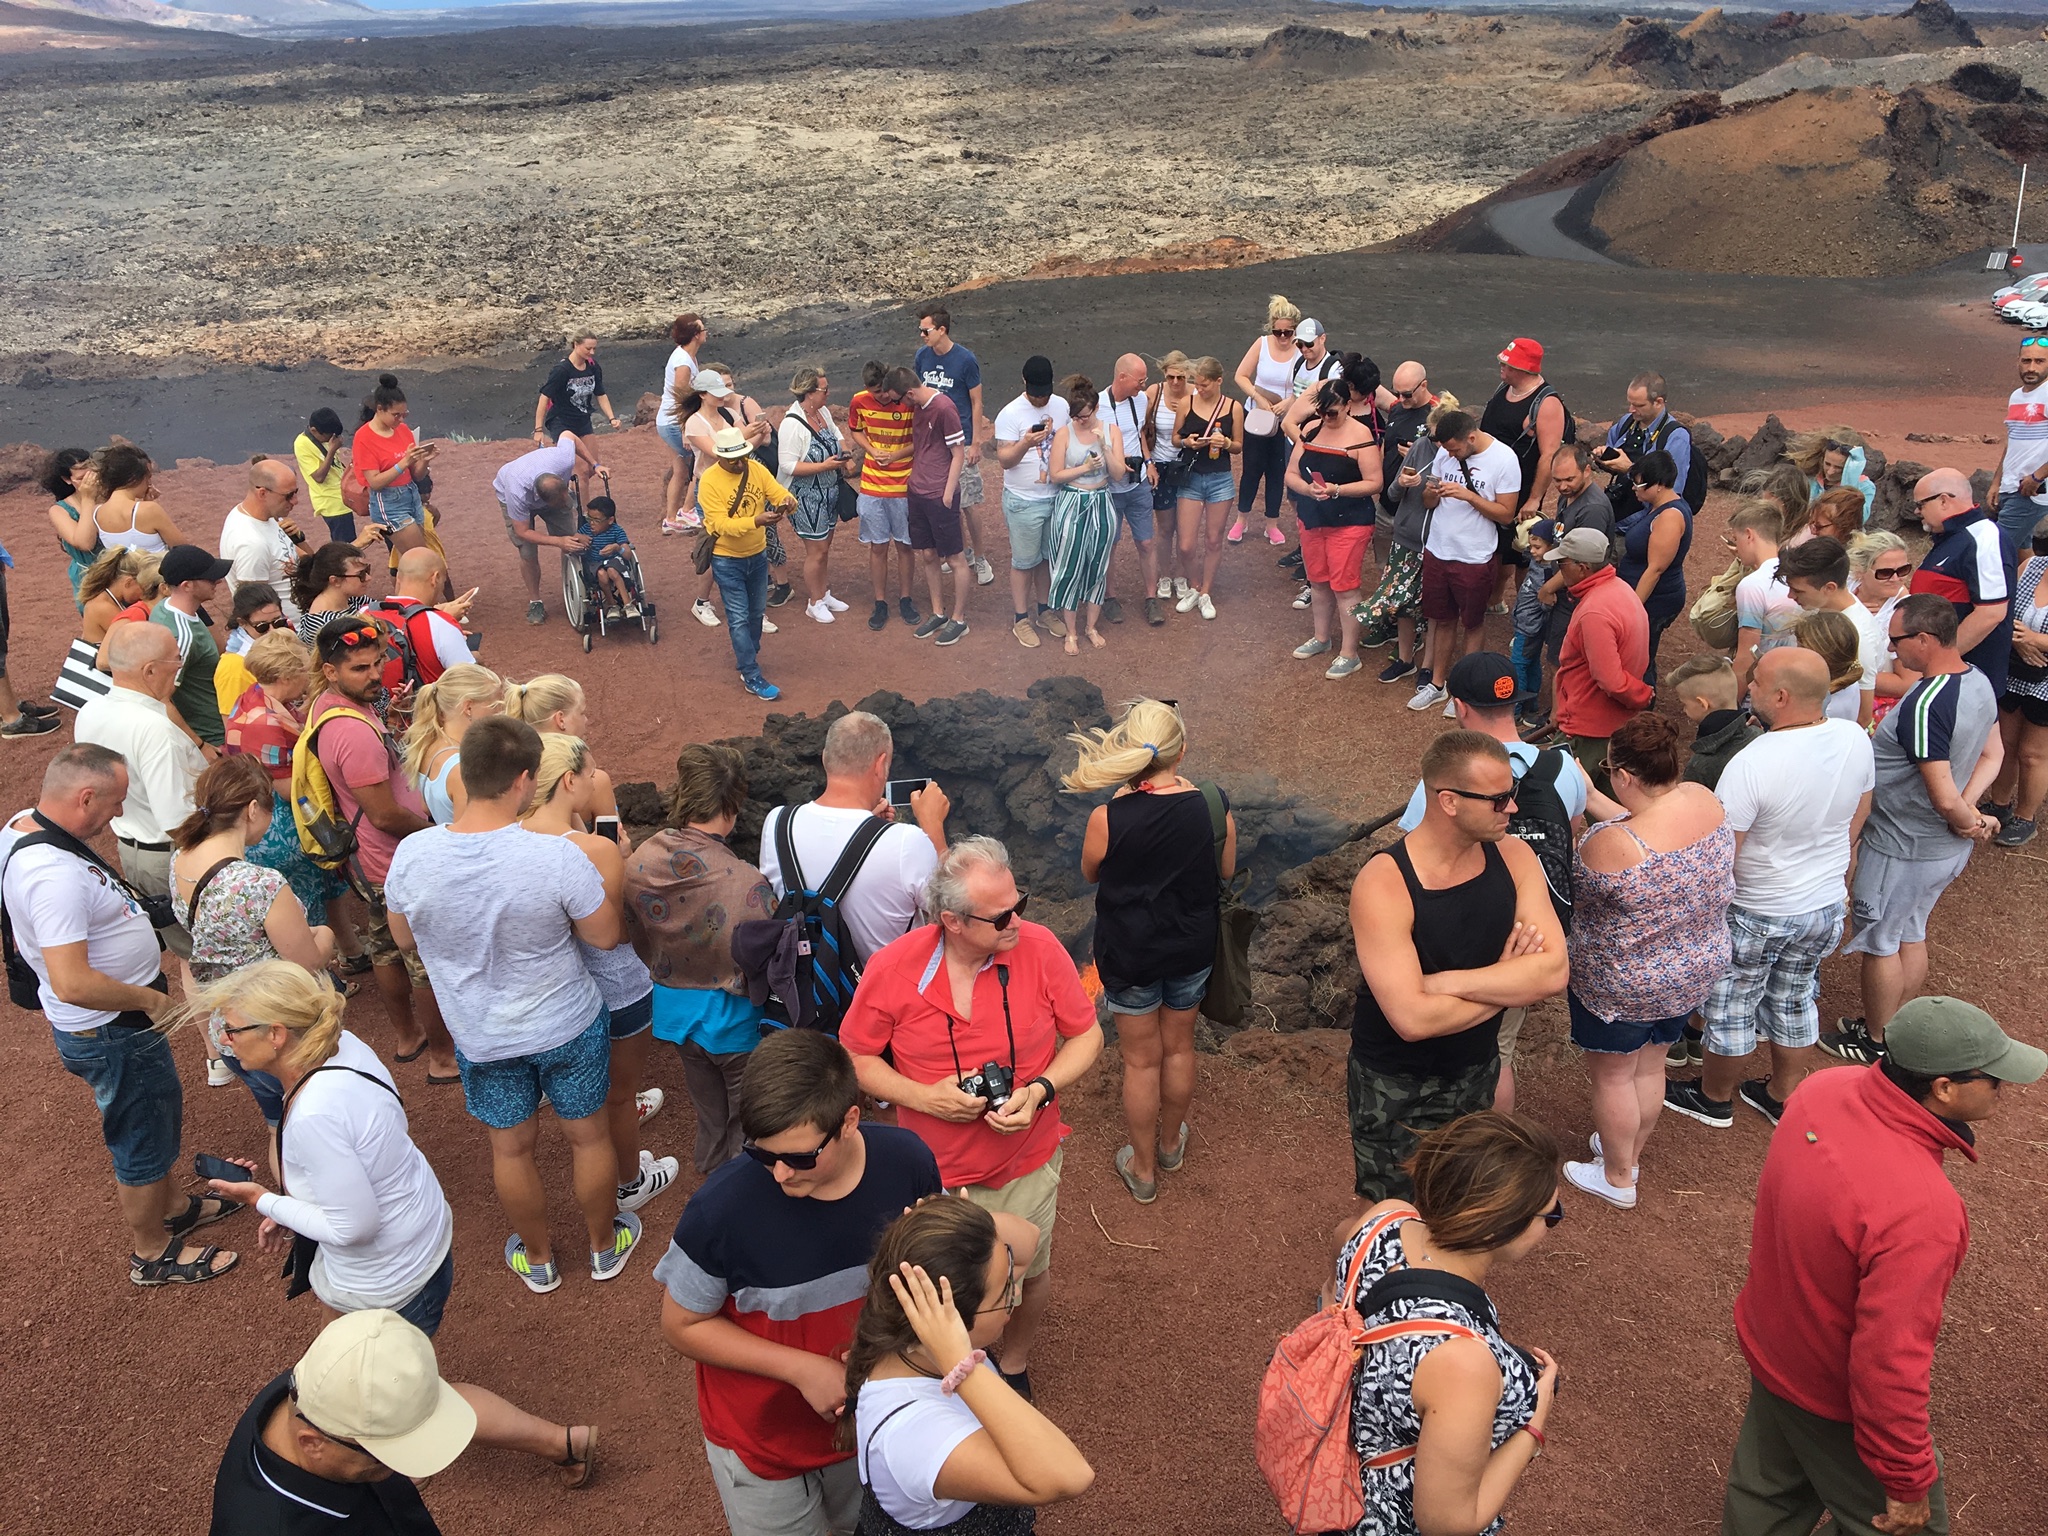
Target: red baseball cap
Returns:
[[1525, 354]]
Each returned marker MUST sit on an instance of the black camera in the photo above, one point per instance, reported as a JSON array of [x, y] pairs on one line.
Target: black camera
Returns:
[[994, 1082], [1134, 467], [161, 911]]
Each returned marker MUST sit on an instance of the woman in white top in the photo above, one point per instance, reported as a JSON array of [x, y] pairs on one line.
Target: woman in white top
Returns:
[[441, 712], [130, 516], [1168, 402], [941, 1439], [1880, 565], [1267, 378], [688, 334], [354, 1182], [812, 460]]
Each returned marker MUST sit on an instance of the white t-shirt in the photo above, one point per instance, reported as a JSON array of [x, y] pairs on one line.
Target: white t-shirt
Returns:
[[2026, 438], [902, 1458], [883, 902], [1457, 531], [679, 358], [492, 912], [1846, 703], [53, 898], [1793, 793], [259, 550], [1030, 476], [1873, 644], [451, 646], [1763, 604]]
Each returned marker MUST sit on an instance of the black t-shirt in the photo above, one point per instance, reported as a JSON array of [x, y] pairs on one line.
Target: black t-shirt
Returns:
[[570, 392], [259, 1493]]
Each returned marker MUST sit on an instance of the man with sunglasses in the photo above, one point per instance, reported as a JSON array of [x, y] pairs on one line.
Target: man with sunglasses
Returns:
[[259, 540], [1858, 1235], [1973, 565], [766, 1276], [1453, 925], [2022, 479], [983, 1021]]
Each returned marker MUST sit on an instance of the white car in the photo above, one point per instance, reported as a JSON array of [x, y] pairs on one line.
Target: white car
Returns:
[[2027, 290], [2032, 313]]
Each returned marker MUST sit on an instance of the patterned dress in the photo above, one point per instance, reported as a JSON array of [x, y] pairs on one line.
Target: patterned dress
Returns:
[[1384, 1419], [1083, 532], [1649, 942]]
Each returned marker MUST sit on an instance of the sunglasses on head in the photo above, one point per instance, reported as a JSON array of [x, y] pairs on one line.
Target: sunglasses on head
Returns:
[[333, 642], [1010, 1300], [2033, 341], [802, 1162], [1004, 918]]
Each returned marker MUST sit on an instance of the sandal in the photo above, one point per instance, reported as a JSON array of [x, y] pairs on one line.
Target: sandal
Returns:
[[165, 1269], [577, 1471], [1169, 1162], [351, 965], [442, 1082], [195, 1216], [402, 1057]]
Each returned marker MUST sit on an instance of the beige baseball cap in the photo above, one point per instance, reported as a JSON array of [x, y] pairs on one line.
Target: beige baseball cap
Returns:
[[371, 1379]]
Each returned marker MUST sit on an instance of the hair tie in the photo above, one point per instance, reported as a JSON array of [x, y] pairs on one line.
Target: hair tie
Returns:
[[1149, 748]]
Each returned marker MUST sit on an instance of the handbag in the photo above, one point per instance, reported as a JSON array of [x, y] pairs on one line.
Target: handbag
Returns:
[[1229, 993], [707, 541], [298, 1264], [1713, 615]]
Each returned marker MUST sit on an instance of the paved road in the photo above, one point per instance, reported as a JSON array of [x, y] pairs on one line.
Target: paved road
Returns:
[[1530, 225]]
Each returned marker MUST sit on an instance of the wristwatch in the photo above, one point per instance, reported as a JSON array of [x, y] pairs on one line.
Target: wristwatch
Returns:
[[1050, 1091]]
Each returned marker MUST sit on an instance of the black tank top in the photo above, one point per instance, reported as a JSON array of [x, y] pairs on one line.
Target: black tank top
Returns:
[[1509, 420], [1460, 928], [1196, 424], [1337, 467], [1155, 903]]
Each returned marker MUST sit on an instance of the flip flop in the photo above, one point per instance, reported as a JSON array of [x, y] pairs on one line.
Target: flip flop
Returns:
[[442, 1082], [412, 1055], [577, 1471]]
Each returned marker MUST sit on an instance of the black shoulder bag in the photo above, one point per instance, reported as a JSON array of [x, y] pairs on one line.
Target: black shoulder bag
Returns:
[[1229, 992], [707, 541], [298, 1264]]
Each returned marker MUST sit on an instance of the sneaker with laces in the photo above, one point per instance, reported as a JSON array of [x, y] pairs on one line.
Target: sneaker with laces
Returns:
[[536, 612], [1187, 602], [1395, 670], [1052, 624], [1112, 611], [656, 1174], [1688, 1098], [1427, 696], [1600, 1152], [1274, 536], [984, 573], [219, 1074], [1165, 588], [780, 593], [1591, 1179], [761, 688], [610, 1264], [954, 632], [1450, 709], [1026, 633], [1756, 1093], [909, 611], [879, 619], [539, 1278], [832, 602], [1308, 648], [1305, 596], [1205, 605], [1180, 589], [768, 627], [1291, 561], [1343, 666], [1155, 611], [2004, 813], [1852, 1043], [1688, 1050], [702, 611], [647, 1104], [2016, 833], [929, 627], [819, 612]]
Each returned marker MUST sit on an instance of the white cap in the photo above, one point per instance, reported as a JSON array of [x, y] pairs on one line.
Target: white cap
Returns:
[[708, 382], [371, 1378], [1308, 330]]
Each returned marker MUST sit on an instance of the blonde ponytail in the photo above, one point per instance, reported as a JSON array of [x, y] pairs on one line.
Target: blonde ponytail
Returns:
[[560, 756], [307, 1004], [461, 685], [546, 696], [1150, 736]]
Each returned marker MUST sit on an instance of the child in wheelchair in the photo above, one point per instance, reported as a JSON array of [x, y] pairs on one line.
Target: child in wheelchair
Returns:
[[610, 569]]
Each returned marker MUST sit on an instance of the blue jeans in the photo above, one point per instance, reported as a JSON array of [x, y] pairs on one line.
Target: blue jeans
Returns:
[[1526, 657], [2017, 516], [743, 583], [134, 1083], [424, 1310]]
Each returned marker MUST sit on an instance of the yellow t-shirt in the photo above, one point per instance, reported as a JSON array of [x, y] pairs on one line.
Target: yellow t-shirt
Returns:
[[231, 679], [737, 533], [326, 493]]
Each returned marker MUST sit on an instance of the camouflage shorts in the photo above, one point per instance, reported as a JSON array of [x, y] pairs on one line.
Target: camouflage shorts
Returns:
[[377, 941], [1389, 1113]]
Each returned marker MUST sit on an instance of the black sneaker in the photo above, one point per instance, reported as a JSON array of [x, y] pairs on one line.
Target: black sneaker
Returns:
[[1688, 1050], [953, 633], [908, 609], [1291, 561], [779, 594], [1395, 670], [1852, 1043], [46, 711], [879, 619], [25, 724], [1756, 1093], [1993, 808], [929, 627], [1112, 611], [1020, 1383], [2016, 833], [1689, 1098]]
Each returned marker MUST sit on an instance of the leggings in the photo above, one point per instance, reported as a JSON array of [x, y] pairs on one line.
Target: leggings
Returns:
[[1264, 458]]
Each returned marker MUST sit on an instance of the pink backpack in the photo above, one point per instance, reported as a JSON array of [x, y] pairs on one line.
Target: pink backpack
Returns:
[[1303, 1435]]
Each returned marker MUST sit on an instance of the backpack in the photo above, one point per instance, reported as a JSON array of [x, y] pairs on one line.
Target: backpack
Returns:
[[402, 646], [1302, 1436], [1621, 491], [1540, 821], [323, 837], [828, 966]]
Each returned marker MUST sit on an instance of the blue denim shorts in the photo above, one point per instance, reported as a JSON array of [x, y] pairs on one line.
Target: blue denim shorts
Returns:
[[397, 506], [671, 432], [1179, 993], [575, 1076], [1134, 506], [134, 1081], [265, 1089], [1208, 485], [632, 1019], [430, 1300], [1622, 1037]]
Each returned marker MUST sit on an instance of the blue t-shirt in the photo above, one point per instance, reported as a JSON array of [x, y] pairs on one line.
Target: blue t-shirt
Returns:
[[1571, 786], [953, 376]]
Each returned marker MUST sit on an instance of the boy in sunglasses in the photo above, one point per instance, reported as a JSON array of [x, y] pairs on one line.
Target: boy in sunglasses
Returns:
[[766, 1276]]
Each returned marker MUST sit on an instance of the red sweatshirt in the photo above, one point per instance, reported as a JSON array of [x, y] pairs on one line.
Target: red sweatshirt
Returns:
[[1858, 1233], [1606, 651]]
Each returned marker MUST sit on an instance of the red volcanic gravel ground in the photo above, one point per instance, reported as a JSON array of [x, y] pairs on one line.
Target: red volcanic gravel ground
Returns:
[[119, 1400]]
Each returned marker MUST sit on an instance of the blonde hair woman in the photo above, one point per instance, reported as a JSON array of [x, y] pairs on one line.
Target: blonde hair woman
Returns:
[[1210, 430], [441, 712], [1835, 638], [562, 789], [1880, 565], [354, 1182], [813, 459], [1267, 378], [1167, 401], [1151, 853], [553, 704], [1830, 458], [111, 583]]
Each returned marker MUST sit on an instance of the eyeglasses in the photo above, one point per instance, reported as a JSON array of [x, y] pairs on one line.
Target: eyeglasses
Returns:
[[1001, 920], [1285, 335], [1555, 1214], [1499, 802], [1010, 1296], [1890, 572], [266, 626], [1921, 501], [802, 1162]]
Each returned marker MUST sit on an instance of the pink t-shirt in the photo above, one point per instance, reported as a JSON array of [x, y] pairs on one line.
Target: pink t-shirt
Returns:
[[354, 752]]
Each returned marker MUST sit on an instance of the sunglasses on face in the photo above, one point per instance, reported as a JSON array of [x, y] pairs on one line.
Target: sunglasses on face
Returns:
[[1921, 501], [1304, 345], [1284, 335], [1555, 1214], [1499, 802], [1975, 1077], [1002, 919], [362, 575], [266, 626], [802, 1162], [1891, 572]]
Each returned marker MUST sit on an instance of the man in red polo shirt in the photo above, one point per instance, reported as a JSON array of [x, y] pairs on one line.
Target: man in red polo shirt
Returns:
[[981, 991]]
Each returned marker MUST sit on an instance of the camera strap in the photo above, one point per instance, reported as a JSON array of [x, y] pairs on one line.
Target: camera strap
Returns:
[[953, 1045], [56, 837]]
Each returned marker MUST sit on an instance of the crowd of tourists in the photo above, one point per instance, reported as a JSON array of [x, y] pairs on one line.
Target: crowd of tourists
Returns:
[[307, 788]]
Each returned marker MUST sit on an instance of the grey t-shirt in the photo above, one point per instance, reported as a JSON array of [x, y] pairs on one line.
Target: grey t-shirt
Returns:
[[1947, 717], [1589, 509], [492, 912]]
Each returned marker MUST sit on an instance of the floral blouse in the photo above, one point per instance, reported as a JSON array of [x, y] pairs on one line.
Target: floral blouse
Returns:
[[1650, 941], [227, 930]]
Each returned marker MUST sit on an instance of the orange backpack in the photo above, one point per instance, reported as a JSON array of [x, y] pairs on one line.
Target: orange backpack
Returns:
[[1303, 1435]]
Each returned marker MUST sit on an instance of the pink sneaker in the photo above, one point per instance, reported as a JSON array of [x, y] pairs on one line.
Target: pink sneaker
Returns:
[[1274, 535], [1236, 534]]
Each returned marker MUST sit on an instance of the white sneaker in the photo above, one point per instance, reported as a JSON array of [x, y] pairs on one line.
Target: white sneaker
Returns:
[[632, 611], [1450, 709], [1591, 1179], [1165, 588], [705, 614], [984, 573], [1180, 588], [1302, 598], [1600, 1153], [1426, 697], [945, 567], [768, 627], [1188, 599], [219, 1074], [1205, 607], [832, 602], [819, 612], [656, 1174], [648, 1102]]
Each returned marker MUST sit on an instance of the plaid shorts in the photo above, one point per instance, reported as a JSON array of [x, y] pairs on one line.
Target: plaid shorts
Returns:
[[1772, 981]]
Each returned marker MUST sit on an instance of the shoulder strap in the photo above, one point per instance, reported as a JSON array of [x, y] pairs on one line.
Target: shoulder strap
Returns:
[[56, 837], [785, 852], [285, 1116], [852, 856], [1411, 1284], [199, 889], [867, 1451], [1550, 762], [1219, 827], [746, 467], [1366, 1238]]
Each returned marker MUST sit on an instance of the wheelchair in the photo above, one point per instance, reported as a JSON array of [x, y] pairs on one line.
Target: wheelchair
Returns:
[[586, 608]]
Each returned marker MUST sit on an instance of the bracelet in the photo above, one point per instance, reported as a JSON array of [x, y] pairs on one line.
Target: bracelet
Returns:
[[1051, 1092], [959, 1374], [1537, 1435]]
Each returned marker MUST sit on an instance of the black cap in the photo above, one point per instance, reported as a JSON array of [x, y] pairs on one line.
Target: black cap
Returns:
[[1486, 680], [188, 562], [1038, 375]]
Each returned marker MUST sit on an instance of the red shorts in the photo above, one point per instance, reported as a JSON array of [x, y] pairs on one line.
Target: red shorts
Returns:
[[1455, 592], [1331, 557]]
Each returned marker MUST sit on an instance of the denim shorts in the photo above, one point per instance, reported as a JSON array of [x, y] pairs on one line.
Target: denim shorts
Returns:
[[397, 506], [671, 432], [134, 1081], [430, 1300], [884, 519], [1028, 518], [575, 1076], [1208, 485], [1134, 506], [1622, 1037], [1179, 993], [632, 1019]]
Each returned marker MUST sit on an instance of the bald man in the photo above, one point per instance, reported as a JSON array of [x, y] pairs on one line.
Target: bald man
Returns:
[[432, 633], [259, 539], [1972, 564], [1796, 799], [1125, 403]]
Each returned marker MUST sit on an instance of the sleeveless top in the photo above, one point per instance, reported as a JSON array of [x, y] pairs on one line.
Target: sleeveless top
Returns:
[[1163, 418], [1155, 900], [80, 559], [1383, 1414], [980, 1519], [1668, 596], [140, 540], [1650, 941], [440, 800], [2023, 679], [1275, 379], [1337, 467], [818, 495], [1077, 455], [1460, 928], [1194, 424], [1509, 420], [621, 975]]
